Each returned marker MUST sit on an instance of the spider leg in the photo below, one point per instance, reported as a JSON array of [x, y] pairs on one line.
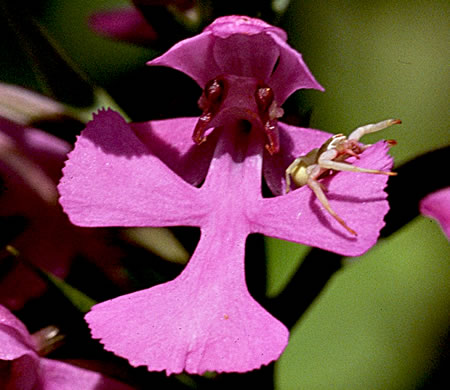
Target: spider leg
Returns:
[[288, 182], [372, 128], [316, 188], [342, 166]]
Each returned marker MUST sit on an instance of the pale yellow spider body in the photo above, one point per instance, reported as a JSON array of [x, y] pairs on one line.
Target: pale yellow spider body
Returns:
[[307, 169]]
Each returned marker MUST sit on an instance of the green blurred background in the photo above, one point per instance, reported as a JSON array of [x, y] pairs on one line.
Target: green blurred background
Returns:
[[382, 321]]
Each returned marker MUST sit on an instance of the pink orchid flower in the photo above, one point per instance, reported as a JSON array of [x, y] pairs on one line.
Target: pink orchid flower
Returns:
[[437, 205], [152, 174], [22, 368]]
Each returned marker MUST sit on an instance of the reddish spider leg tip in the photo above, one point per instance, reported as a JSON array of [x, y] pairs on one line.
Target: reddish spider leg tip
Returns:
[[391, 142], [351, 231], [343, 224]]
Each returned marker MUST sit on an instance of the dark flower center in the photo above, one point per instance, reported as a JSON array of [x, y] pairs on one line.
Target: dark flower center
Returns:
[[229, 98]]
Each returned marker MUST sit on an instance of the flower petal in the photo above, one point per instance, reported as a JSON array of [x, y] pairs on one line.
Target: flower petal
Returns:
[[229, 25], [192, 56], [29, 158], [241, 46], [358, 198], [204, 320], [19, 364], [20, 373], [294, 142], [57, 375], [171, 141], [47, 150], [15, 339], [291, 73], [30, 165], [125, 24], [213, 52], [437, 205], [112, 179], [255, 58], [43, 148], [24, 172], [23, 106], [27, 371]]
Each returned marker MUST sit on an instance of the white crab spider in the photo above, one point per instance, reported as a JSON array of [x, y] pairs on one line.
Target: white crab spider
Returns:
[[307, 169]]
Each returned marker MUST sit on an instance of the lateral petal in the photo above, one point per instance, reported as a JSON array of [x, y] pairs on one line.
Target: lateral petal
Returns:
[[358, 198], [171, 141], [113, 179]]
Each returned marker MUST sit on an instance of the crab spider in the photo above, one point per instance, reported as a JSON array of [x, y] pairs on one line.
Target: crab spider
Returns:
[[307, 169]]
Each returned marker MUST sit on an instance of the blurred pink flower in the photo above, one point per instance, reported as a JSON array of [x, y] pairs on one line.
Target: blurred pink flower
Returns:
[[128, 23], [30, 162], [22, 368], [30, 166], [205, 319], [125, 24], [437, 205]]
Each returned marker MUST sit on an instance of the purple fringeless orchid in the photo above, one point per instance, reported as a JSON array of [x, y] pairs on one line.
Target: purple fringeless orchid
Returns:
[[153, 174], [22, 368]]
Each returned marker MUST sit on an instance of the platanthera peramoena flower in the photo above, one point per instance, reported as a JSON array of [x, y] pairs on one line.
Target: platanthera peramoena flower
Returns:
[[207, 172]]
